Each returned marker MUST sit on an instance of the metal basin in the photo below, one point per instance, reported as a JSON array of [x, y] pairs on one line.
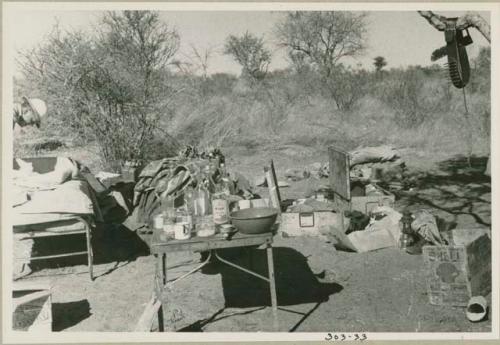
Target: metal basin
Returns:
[[254, 220]]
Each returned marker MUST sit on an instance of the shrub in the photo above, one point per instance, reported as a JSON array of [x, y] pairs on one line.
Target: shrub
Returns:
[[347, 86], [113, 86], [413, 97]]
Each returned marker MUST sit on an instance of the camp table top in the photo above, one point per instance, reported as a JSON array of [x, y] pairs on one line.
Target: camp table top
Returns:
[[161, 245]]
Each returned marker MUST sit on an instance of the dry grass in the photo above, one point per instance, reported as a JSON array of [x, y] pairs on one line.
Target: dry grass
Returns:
[[283, 111]]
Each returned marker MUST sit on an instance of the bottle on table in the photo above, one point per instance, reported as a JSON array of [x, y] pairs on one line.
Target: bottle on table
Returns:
[[227, 186], [189, 208], [203, 211], [168, 207], [183, 223], [220, 207], [169, 215]]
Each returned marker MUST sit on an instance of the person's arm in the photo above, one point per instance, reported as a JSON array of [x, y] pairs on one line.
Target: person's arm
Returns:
[[17, 116]]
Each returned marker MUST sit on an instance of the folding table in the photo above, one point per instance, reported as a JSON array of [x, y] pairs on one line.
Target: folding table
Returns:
[[161, 245]]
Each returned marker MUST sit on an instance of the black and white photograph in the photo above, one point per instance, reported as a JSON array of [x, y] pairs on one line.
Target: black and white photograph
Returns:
[[315, 171]]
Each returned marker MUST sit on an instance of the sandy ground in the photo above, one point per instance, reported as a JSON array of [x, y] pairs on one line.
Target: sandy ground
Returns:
[[319, 288]]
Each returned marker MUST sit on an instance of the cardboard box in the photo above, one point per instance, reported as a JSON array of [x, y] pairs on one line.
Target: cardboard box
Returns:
[[457, 272], [308, 223]]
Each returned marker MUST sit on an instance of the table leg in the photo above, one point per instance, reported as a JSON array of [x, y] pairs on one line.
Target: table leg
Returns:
[[160, 276], [90, 253], [272, 286]]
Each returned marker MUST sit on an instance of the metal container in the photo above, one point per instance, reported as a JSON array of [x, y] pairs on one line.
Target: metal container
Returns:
[[254, 220]]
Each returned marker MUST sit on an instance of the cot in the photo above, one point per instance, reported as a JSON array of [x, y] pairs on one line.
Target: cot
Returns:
[[68, 209]]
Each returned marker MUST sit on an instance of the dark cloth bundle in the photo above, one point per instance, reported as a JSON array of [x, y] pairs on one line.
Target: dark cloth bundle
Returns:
[[170, 176], [167, 177]]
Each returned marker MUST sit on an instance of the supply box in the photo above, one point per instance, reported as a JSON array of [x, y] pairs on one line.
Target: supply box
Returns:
[[459, 271], [309, 223]]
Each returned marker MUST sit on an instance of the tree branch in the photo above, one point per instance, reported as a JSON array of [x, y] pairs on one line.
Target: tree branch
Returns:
[[470, 19], [435, 20]]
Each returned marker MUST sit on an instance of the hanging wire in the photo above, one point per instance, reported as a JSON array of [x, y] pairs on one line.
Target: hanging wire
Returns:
[[466, 114], [469, 128]]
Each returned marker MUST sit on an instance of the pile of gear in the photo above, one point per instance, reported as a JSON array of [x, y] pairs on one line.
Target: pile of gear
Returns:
[[170, 176]]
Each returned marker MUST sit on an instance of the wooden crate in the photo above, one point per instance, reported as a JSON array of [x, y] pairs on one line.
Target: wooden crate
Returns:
[[457, 272], [340, 183]]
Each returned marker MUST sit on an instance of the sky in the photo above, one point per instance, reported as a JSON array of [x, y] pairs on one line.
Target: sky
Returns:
[[404, 38]]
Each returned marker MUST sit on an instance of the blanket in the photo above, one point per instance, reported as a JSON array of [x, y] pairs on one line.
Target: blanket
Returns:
[[59, 193]]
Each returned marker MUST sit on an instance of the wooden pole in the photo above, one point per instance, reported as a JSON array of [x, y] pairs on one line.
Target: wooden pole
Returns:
[[272, 185]]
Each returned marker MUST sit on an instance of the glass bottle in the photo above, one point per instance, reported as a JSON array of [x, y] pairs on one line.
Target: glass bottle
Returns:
[[198, 201], [188, 209], [227, 187], [189, 199], [220, 207], [204, 220], [168, 207], [169, 215]]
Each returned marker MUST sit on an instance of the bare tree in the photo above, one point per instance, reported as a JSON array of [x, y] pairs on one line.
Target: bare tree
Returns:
[[201, 59], [249, 51], [322, 40]]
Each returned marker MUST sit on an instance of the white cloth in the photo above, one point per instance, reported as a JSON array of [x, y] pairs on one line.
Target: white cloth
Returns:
[[25, 177], [71, 197]]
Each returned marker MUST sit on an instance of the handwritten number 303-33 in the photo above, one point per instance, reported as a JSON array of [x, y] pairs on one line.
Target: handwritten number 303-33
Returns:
[[342, 336]]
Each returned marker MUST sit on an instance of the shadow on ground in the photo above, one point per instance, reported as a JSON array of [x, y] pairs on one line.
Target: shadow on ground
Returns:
[[65, 315], [457, 190], [296, 284], [110, 243]]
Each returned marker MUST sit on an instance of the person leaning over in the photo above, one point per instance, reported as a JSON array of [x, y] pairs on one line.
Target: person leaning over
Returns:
[[29, 112]]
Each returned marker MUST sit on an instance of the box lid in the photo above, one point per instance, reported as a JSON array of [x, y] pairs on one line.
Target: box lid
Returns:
[[339, 172]]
